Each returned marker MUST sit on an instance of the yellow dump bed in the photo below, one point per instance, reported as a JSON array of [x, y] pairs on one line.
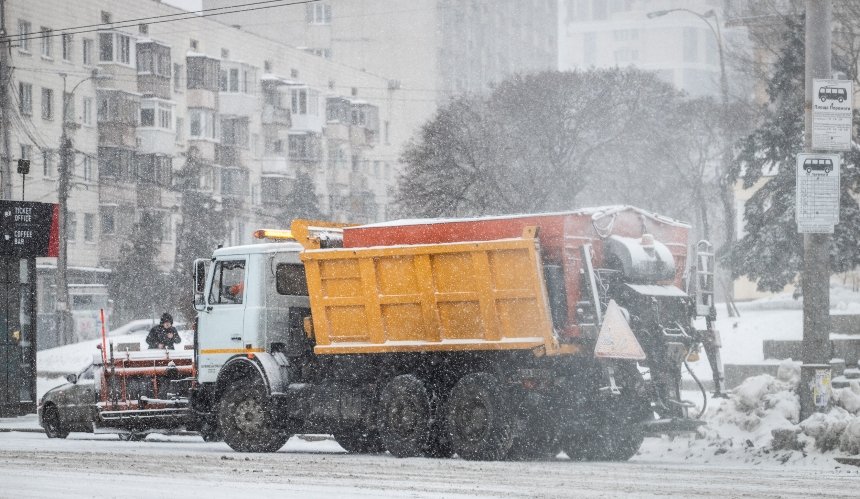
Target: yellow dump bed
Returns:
[[486, 295]]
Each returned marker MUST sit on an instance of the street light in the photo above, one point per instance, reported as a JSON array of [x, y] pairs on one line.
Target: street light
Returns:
[[61, 306], [726, 192]]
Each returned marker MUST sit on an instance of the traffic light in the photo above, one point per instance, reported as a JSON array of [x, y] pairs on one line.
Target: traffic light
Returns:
[[24, 166]]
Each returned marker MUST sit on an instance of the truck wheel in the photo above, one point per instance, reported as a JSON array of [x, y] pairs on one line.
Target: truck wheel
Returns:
[[536, 438], [478, 419], [246, 420], [53, 428], [404, 416], [359, 441]]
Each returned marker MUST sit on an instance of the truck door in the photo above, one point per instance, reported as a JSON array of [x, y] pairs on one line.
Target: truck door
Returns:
[[220, 328]]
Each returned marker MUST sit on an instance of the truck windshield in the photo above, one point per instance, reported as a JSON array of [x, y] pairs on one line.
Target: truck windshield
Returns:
[[228, 286]]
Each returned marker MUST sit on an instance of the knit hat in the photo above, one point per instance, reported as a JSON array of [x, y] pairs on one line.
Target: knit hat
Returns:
[[165, 317]]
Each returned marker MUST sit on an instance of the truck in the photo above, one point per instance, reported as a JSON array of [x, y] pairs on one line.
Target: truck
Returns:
[[490, 338]]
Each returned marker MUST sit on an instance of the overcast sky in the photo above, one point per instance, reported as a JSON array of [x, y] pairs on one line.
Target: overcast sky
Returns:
[[185, 4]]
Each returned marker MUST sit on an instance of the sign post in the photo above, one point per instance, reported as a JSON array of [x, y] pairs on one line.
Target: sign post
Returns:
[[817, 193], [832, 112]]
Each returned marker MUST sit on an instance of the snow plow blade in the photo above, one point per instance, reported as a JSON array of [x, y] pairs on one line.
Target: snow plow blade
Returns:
[[673, 425]]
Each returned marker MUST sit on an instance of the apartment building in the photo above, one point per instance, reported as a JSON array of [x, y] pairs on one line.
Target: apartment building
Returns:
[[142, 100], [679, 46], [430, 49]]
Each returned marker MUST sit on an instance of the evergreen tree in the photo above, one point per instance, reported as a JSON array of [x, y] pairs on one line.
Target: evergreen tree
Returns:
[[771, 252], [301, 202], [136, 284]]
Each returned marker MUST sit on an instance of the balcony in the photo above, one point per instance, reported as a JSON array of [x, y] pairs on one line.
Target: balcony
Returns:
[[276, 116], [277, 166], [307, 123], [156, 141], [236, 104]]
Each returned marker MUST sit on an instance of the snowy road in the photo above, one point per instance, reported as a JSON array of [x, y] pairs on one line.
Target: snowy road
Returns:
[[31, 465]]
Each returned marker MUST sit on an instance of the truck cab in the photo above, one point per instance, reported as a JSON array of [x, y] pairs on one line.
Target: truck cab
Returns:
[[253, 301]]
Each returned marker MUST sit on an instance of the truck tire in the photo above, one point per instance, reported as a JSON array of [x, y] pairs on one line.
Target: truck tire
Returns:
[[53, 427], [536, 436], [359, 441], [404, 416], [246, 420], [479, 423]]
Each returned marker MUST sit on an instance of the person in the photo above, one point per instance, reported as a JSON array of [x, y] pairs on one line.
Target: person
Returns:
[[163, 335]]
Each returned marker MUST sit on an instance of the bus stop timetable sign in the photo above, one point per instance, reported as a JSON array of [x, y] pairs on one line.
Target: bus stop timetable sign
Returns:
[[28, 230], [817, 193], [832, 105]]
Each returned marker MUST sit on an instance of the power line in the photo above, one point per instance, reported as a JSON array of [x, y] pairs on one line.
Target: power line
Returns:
[[181, 16]]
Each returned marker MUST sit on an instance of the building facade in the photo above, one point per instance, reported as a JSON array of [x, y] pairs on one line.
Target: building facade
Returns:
[[679, 46], [143, 101]]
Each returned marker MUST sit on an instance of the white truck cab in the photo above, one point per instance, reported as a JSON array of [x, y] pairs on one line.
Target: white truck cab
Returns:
[[253, 299]]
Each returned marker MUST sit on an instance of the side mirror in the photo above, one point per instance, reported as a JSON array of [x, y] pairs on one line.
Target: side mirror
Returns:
[[72, 378], [199, 275]]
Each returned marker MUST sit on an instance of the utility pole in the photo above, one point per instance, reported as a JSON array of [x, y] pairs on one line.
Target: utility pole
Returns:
[[816, 348], [5, 107], [62, 303]]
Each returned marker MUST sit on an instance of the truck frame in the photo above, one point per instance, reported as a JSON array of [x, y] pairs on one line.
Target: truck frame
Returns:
[[491, 338]]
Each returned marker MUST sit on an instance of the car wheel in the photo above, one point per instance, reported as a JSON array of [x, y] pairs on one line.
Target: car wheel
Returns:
[[132, 437], [51, 420]]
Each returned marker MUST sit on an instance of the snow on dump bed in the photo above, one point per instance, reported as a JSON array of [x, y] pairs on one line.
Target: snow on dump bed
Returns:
[[594, 212], [741, 428]]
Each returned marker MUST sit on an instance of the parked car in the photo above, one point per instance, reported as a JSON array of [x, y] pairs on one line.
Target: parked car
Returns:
[[71, 406]]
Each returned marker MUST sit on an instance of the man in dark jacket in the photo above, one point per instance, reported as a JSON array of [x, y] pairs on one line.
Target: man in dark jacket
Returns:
[[164, 335]]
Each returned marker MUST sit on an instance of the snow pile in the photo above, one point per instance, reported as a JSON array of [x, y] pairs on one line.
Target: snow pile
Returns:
[[760, 423]]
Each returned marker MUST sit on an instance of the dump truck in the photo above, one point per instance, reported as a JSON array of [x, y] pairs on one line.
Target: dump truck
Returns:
[[488, 338]]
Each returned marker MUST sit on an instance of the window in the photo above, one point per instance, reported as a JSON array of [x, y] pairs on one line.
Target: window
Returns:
[[166, 229], [89, 227], [177, 77], [88, 111], [228, 285], [67, 47], [153, 58], [165, 119], [300, 101], [26, 151], [47, 42], [387, 129], [202, 123], [108, 215], [87, 167], [68, 108], [47, 104], [234, 132], [290, 280], [71, 226], [25, 98], [106, 17], [203, 73], [24, 30], [105, 47], [318, 13], [123, 49], [87, 44], [180, 136], [147, 117], [114, 47], [143, 29], [47, 163]]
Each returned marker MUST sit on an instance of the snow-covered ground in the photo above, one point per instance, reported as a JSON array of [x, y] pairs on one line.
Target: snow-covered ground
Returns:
[[100, 466]]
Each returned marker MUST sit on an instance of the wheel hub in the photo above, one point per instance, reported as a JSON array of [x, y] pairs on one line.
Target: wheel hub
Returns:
[[249, 415]]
